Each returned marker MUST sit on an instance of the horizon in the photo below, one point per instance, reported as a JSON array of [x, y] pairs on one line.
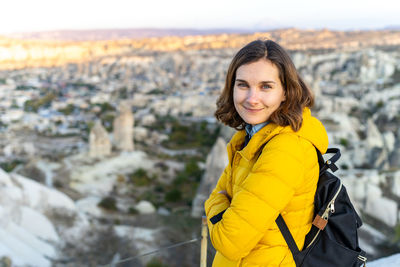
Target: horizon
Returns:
[[25, 16], [220, 29]]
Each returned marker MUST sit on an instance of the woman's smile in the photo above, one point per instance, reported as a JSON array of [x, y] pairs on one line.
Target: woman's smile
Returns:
[[254, 110]]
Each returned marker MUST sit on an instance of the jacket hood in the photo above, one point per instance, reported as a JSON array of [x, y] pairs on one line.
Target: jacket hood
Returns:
[[311, 130]]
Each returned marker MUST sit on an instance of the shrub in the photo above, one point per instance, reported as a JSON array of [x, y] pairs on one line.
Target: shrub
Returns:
[[154, 262], [344, 142], [34, 105], [380, 104], [123, 93], [156, 91], [120, 178], [173, 195], [344, 166], [108, 203], [190, 135], [191, 172], [58, 184], [108, 120], [192, 169], [68, 110], [150, 196], [106, 107], [140, 178], [9, 166], [133, 211], [162, 165], [397, 233], [159, 188], [24, 87]]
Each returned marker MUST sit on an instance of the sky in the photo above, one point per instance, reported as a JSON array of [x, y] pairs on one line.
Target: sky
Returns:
[[45, 15]]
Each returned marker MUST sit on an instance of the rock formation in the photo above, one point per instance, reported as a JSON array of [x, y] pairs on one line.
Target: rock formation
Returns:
[[123, 128], [22, 202], [215, 164], [99, 141], [374, 137], [394, 159]]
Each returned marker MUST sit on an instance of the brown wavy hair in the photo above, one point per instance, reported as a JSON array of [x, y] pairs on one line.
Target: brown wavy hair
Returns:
[[298, 95]]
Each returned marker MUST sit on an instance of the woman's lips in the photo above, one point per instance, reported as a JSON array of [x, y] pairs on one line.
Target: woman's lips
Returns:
[[253, 110]]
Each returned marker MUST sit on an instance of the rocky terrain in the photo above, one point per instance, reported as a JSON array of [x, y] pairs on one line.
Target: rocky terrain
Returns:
[[117, 152]]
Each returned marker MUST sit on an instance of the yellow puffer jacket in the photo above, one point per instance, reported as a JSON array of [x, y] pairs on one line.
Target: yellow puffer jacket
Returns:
[[282, 179]]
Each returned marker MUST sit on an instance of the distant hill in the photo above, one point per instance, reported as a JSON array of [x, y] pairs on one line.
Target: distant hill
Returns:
[[17, 53], [393, 27], [118, 34]]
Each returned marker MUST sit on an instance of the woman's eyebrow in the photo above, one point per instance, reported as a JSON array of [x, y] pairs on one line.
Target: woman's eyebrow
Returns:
[[267, 82], [244, 81]]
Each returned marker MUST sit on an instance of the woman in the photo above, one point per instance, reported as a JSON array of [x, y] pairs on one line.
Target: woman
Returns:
[[273, 166]]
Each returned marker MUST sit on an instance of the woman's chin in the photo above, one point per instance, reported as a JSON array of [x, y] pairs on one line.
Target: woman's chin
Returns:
[[254, 122]]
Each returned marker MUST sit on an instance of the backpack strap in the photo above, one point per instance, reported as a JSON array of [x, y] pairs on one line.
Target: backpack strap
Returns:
[[320, 159], [323, 166], [287, 235], [282, 224]]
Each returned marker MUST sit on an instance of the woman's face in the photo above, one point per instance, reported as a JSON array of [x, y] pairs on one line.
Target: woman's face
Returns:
[[257, 91]]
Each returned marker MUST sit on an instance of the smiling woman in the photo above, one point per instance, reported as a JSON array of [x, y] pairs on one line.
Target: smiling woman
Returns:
[[263, 79], [273, 167], [258, 91]]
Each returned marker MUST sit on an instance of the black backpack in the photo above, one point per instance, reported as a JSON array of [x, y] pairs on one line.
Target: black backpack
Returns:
[[332, 240]]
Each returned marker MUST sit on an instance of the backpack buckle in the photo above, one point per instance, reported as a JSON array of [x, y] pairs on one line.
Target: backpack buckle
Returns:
[[363, 259]]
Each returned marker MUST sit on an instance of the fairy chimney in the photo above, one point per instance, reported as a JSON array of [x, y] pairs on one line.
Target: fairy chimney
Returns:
[[123, 128], [99, 141], [215, 164]]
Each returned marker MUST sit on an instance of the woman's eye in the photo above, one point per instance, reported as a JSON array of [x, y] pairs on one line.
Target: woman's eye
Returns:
[[265, 86], [242, 85]]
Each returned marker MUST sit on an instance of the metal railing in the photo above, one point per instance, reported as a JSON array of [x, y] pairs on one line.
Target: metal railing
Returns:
[[203, 251]]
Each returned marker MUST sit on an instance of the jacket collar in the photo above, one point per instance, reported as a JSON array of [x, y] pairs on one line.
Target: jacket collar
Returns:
[[311, 130], [255, 143], [252, 129]]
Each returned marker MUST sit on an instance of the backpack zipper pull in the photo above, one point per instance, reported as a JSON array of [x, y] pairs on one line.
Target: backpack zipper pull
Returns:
[[332, 207]]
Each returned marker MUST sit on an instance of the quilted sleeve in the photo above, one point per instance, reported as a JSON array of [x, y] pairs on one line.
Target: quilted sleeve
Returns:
[[265, 192], [217, 202]]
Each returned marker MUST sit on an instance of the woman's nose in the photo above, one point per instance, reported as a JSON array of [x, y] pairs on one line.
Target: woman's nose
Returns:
[[252, 96]]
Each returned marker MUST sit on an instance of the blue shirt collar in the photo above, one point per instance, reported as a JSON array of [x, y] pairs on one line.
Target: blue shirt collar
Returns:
[[251, 130]]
